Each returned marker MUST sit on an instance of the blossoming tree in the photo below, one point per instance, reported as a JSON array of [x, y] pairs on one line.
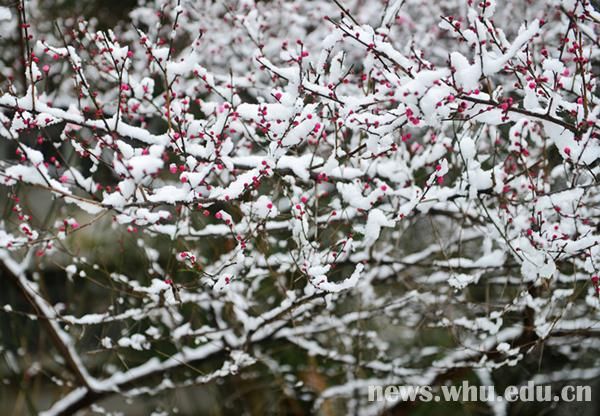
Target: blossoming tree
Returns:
[[323, 194]]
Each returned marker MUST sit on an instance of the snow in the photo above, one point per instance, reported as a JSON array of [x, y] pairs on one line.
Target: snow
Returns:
[[236, 187], [5, 13], [492, 66], [375, 222], [170, 194], [71, 398], [262, 208], [536, 263], [300, 132], [135, 341], [461, 280], [140, 167], [327, 286], [303, 179], [351, 193], [467, 75]]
